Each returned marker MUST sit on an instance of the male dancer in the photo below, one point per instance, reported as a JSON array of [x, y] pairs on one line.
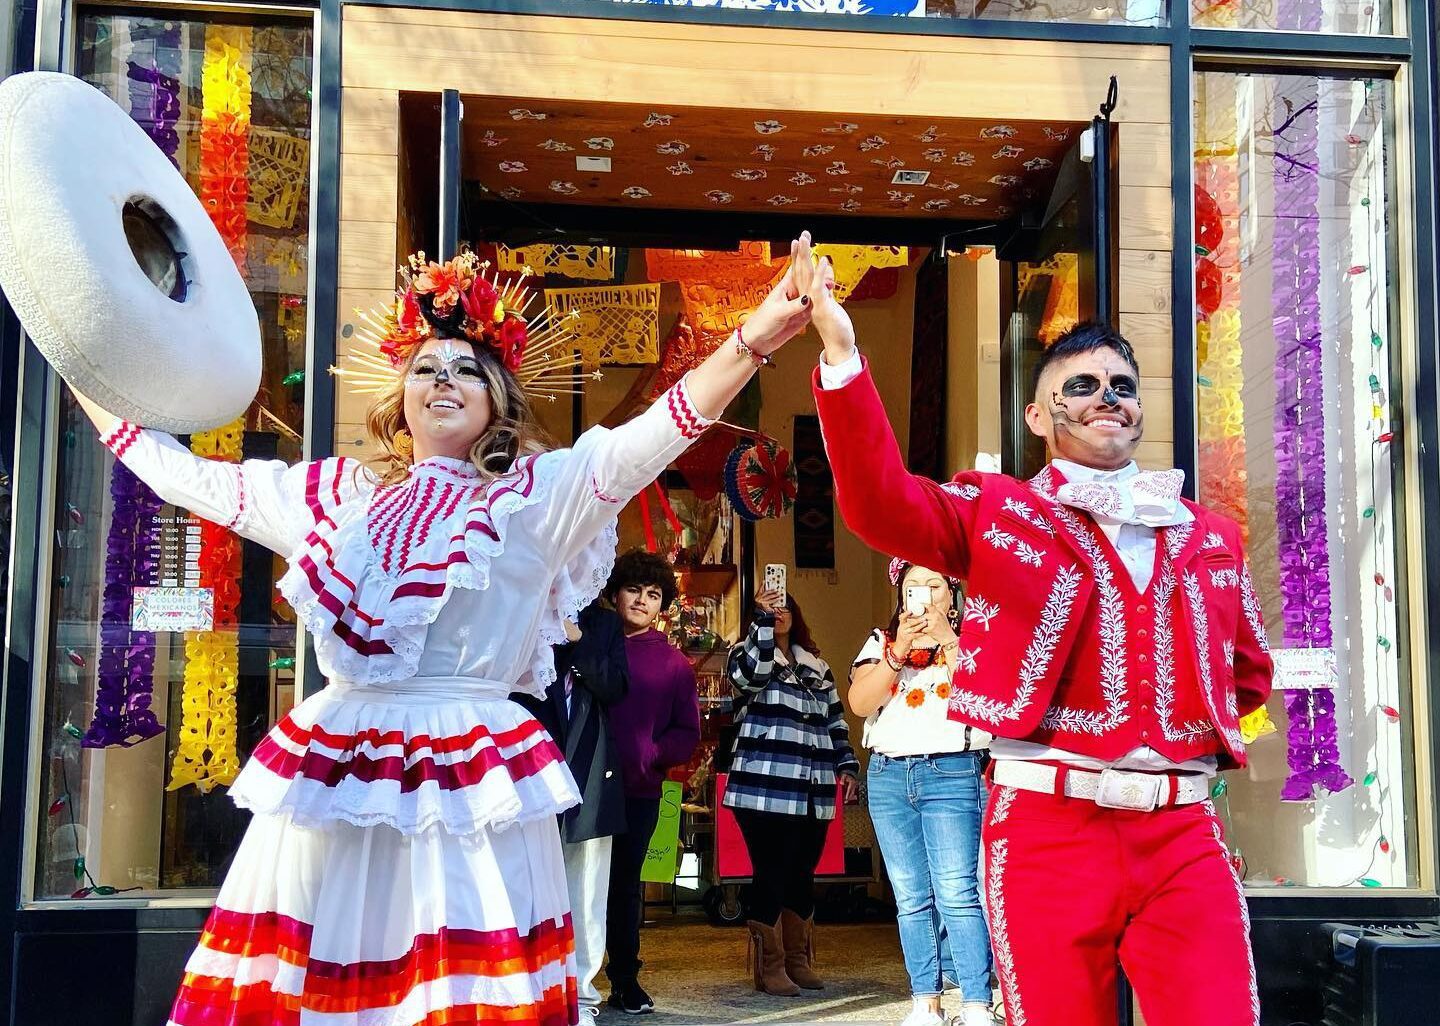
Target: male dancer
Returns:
[[1111, 640]]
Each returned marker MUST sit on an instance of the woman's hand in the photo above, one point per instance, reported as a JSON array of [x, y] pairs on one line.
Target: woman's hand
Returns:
[[784, 313], [938, 627], [849, 788], [770, 601], [906, 632], [828, 316]]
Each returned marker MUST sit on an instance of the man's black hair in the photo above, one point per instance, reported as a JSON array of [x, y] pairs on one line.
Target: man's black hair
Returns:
[[639, 569], [1085, 337]]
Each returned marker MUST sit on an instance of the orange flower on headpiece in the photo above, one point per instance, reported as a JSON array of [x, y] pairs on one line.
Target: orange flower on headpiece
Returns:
[[444, 283]]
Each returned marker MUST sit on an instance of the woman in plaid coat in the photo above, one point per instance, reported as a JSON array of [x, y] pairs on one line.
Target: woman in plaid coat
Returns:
[[792, 746]]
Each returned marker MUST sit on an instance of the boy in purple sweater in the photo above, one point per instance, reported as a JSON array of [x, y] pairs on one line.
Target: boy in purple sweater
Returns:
[[656, 726]]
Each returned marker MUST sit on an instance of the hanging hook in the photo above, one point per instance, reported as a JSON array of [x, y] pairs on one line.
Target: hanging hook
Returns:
[[1112, 97]]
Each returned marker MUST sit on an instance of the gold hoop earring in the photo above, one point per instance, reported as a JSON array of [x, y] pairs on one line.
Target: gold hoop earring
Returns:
[[404, 445]]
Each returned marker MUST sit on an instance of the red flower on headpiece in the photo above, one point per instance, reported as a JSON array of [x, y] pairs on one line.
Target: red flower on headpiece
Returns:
[[407, 311], [479, 302], [513, 337]]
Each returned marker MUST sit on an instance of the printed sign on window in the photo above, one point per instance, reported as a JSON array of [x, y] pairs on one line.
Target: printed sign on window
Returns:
[[158, 610], [1305, 669]]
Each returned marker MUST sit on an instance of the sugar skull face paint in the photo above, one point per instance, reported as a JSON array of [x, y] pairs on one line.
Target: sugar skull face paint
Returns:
[[445, 364], [1088, 410], [447, 400]]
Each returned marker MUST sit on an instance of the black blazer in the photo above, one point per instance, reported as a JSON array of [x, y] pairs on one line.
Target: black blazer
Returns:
[[601, 677]]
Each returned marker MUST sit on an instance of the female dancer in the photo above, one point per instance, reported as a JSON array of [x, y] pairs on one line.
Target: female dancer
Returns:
[[926, 794], [403, 866]]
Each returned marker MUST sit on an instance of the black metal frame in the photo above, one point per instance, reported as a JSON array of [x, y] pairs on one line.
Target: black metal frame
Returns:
[[23, 382]]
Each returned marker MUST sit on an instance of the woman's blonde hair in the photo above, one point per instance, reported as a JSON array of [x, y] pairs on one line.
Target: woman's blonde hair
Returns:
[[513, 431]]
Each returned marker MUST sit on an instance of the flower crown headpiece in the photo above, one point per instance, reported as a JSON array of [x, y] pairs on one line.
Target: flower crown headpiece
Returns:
[[491, 313], [899, 566]]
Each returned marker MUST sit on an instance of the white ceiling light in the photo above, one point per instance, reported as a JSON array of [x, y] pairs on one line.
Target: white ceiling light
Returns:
[[592, 164], [908, 177]]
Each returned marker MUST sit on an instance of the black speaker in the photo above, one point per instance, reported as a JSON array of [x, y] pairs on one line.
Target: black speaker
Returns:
[[1383, 975]]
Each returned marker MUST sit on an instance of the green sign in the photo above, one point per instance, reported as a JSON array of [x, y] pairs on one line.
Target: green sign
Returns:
[[662, 861]]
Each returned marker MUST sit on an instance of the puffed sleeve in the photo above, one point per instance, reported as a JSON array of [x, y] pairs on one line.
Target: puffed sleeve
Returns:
[[267, 501], [608, 466]]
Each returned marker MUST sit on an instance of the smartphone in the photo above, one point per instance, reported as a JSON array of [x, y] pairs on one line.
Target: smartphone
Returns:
[[775, 578], [917, 599]]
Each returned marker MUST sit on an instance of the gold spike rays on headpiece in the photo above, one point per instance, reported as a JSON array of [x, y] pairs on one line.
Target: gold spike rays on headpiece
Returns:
[[546, 364]]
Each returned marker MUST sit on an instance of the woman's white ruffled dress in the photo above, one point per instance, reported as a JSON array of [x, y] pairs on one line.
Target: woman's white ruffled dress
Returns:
[[403, 866]]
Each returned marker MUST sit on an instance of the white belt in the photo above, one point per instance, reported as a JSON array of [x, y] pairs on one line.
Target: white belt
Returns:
[[1109, 788]]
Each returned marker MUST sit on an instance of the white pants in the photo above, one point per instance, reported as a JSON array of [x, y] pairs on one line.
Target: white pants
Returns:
[[587, 876]]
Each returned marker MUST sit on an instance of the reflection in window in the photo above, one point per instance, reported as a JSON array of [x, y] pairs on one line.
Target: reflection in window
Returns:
[[1144, 13], [145, 715], [1294, 286], [1357, 17]]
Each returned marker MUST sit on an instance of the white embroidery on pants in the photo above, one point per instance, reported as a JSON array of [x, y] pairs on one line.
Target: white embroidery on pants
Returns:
[[1244, 910], [1000, 933]]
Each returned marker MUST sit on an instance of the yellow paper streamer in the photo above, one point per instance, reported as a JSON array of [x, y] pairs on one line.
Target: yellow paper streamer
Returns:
[[614, 324], [206, 755], [1256, 725], [851, 263], [587, 263]]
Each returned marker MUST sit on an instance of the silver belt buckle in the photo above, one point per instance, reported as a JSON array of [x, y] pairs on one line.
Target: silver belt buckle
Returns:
[[1137, 792]]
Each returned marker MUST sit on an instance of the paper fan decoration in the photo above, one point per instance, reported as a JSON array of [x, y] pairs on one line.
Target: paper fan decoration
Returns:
[[760, 480]]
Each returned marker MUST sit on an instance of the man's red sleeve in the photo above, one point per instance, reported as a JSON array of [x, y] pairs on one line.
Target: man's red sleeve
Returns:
[[886, 506]]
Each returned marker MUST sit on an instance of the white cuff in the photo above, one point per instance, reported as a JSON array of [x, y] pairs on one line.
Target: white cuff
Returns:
[[840, 375]]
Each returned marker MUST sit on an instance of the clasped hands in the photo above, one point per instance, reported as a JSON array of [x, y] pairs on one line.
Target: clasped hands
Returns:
[[804, 295]]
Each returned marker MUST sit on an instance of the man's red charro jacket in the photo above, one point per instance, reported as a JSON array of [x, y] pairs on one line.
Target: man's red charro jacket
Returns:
[[1056, 645]]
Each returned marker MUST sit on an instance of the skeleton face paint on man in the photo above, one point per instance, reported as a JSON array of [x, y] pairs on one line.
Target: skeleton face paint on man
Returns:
[[1087, 408]]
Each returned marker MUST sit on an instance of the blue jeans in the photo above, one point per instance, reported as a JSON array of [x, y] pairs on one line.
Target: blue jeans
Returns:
[[926, 811]]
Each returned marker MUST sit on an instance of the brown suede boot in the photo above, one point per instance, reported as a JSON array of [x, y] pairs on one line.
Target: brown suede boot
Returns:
[[800, 950], [768, 955]]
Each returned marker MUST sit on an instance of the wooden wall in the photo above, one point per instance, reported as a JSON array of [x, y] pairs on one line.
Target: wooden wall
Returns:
[[387, 50]]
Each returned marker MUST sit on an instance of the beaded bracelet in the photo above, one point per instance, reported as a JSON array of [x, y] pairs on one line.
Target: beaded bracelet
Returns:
[[758, 359], [892, 661]]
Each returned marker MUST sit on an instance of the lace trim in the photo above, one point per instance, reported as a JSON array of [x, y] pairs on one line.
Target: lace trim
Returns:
[[396, 627]]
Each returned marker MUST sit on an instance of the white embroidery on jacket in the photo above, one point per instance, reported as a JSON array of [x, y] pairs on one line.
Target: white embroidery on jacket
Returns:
[[1213, 540], [1028, 514], [1029, 555], [968, 492], [1000, 539], [965, 659], [1165, 665], [1200, 620], [1226, 578], [1113, 680], [1251, 604], [1048, 632], [980, 611]]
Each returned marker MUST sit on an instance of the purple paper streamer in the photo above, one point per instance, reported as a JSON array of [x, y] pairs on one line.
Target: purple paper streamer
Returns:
[[125, 671], [1313, 747]]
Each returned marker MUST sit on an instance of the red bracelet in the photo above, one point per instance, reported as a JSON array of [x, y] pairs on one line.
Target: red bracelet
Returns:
[[893, 661], [758, 359]]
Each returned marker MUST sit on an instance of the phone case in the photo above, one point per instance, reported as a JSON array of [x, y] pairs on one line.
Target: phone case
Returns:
[[917, 600], [775, 577]]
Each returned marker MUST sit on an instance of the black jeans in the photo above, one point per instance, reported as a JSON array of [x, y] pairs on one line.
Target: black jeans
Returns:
[[627, 894], [784, 851]]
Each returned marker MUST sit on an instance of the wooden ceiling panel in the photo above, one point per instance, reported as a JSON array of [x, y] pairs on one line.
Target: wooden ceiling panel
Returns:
[[689, 158]]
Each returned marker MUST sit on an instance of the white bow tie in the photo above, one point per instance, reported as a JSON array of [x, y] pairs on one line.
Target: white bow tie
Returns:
[[1150, 498]]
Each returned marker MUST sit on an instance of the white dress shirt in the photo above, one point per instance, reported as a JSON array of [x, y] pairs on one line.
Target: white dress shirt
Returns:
[[1135, 545]]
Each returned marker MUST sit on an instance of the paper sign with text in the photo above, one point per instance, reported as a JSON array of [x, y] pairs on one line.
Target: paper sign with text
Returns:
[[172, 609], [1305, 669]]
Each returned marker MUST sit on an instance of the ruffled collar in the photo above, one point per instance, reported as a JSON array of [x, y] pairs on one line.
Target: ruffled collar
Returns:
[[445, 467]]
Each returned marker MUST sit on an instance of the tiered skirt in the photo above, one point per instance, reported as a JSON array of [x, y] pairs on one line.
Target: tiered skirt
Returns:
[[403, 868]]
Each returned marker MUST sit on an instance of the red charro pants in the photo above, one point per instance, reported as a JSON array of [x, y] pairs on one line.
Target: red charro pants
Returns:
[[1071, 889]]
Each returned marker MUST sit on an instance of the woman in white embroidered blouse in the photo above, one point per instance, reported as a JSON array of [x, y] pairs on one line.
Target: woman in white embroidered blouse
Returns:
[[925, 795], [403, 865]]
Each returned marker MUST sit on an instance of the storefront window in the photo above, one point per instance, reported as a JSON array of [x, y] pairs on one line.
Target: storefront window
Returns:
[[1295, 285], [1359, 17], [1114, 12], [168, 653]]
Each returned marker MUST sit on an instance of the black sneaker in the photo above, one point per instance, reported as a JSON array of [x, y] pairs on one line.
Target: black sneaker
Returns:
[[631, 999]]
